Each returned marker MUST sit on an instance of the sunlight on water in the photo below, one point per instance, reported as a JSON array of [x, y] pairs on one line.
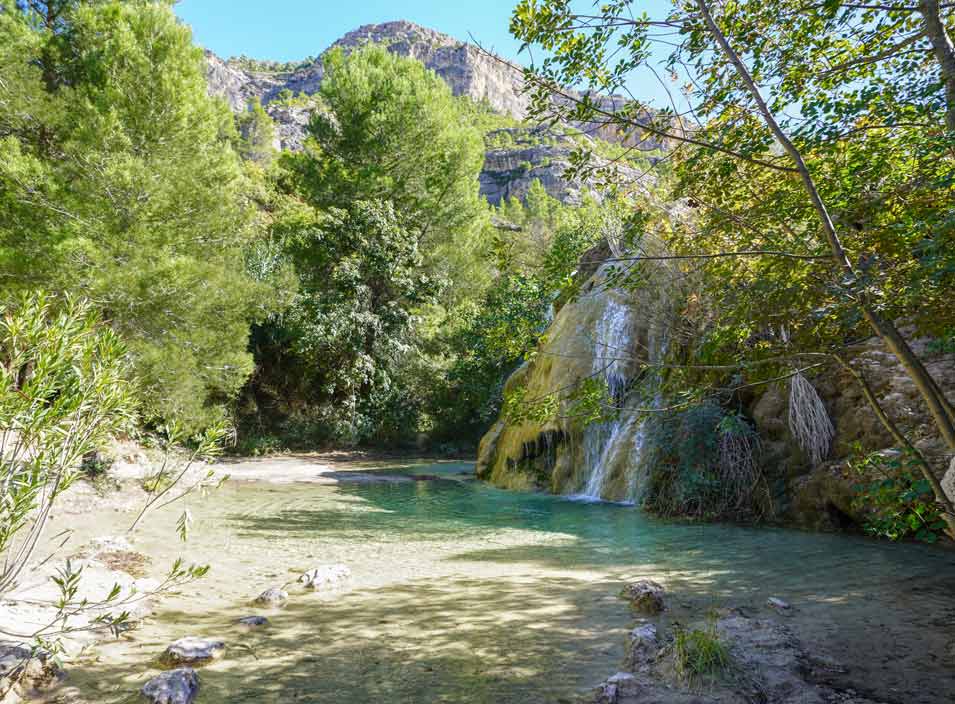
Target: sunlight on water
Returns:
[[461, 592]]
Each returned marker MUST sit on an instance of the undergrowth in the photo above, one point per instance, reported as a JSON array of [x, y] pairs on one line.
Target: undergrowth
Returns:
[[699, 653]]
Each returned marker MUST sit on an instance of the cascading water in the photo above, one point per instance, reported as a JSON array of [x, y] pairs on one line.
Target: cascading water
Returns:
[[612, 344], [617, 444]]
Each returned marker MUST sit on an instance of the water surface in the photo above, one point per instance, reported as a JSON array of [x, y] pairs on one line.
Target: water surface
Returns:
[[465, 593]]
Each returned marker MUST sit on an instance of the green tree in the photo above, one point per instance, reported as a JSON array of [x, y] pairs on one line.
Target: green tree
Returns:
[[818, 169], [256, 134], [118, 179]]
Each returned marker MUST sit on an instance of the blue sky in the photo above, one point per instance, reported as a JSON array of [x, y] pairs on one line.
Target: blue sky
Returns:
[[293, 29], [286, 30]]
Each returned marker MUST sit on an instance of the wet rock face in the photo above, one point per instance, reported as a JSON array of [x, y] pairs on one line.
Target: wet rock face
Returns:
[[605, 333], [193, 651], [179, 686]]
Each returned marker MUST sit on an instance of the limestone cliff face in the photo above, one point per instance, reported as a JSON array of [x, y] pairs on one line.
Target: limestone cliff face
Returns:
[[537, 154], [542, 154]]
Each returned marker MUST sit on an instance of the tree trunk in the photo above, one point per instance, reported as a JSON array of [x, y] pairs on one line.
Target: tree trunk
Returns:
[[944, 52], [884, 329]]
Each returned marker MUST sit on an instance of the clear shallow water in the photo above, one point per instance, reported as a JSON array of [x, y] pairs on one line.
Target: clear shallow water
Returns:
[[465, 593]]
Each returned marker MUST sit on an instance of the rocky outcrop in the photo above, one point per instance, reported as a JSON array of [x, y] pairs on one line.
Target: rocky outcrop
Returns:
[[539, 153], [604, 336], [821, 497], [765, 663], [544, 154]]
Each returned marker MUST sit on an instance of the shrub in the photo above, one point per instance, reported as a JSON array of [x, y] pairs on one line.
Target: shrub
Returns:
[[898, 503], [699, 652]]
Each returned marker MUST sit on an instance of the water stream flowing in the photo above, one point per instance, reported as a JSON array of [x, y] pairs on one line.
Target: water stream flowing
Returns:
[[468, 594]]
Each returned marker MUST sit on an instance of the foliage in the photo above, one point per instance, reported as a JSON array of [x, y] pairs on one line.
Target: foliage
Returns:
[[256, 134], [817, 170], [699, 651], [129, 190], [63, 391], [703, 463], [898, 503]]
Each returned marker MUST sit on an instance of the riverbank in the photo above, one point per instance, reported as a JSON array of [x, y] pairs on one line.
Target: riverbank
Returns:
[[459, 592]]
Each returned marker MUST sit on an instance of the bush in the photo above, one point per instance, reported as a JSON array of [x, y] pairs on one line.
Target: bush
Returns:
[[704, 463], [899, 503], [63, 391]]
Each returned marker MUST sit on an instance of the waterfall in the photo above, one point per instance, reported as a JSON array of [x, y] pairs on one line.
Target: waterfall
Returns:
[[612, 344], [618, 443]]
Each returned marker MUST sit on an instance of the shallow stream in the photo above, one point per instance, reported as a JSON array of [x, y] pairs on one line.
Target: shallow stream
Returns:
[[465, 593]]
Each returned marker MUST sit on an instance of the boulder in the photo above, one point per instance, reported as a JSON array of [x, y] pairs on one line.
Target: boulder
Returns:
[[325, 577], [173, 687], [643, 647], [192, 650], [22, 671], [274, 596], [645, 595]]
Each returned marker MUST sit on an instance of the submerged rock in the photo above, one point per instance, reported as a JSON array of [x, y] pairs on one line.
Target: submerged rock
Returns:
[[617, 689], [274, 596], [325, 576], [778, 603], [22, 670], [253, 621], [645, 595], [193, 651], [173, 687]]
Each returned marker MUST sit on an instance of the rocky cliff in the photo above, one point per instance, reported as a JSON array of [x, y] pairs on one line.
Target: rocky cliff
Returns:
[[537, 153]]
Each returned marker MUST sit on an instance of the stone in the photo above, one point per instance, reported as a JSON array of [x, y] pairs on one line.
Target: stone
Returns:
[[778, 603], [253, 621], [23, 671], [192, 650], [274, 596], [617, 688], [645, 595], [948, 481], [643, 647], [173, 687], [326, 576]]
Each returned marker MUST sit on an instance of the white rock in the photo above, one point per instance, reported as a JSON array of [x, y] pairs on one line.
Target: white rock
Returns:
[[173, 687], [325, 576], [948, 481], [275, 596], [777, 603], [192, 650]]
